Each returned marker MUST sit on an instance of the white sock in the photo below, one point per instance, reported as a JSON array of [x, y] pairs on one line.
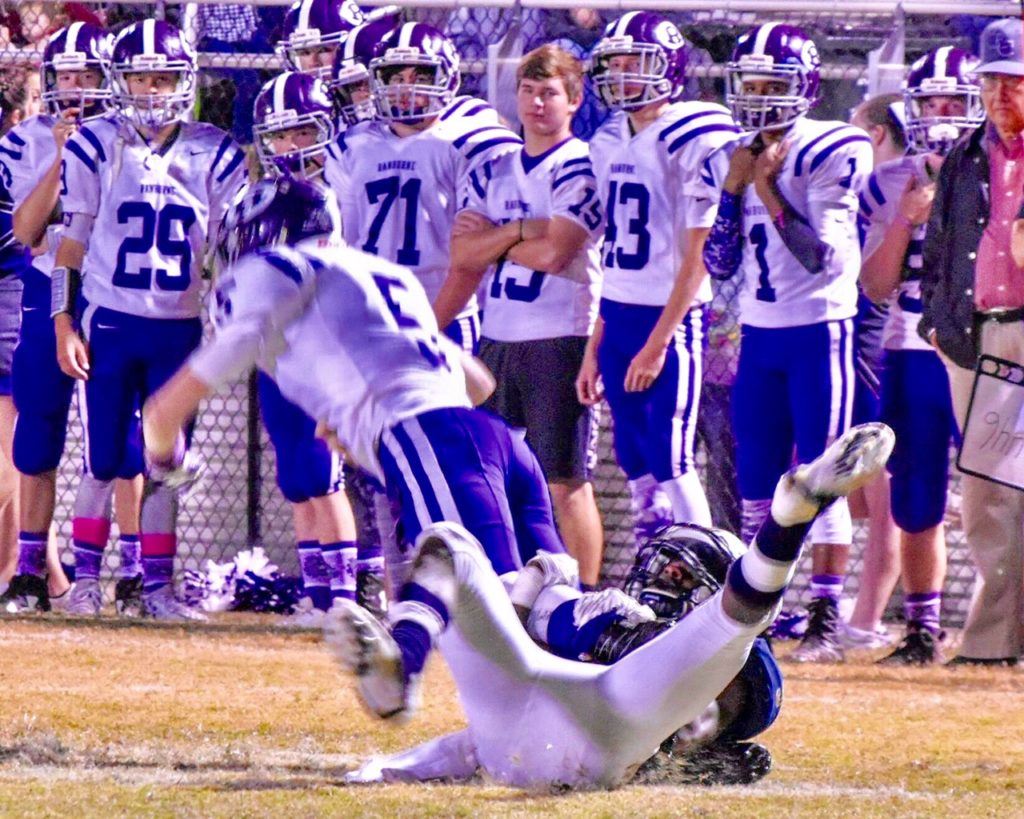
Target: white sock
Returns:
[[689, 503]]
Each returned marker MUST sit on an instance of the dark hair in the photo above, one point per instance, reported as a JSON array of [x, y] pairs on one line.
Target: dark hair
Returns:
[[551, 62], [878, 111]]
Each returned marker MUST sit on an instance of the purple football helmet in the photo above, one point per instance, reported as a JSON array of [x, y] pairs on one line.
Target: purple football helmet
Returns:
[[780, 54], [280, 211], [659, 54], [944, 72], [426, 49], [152, 46], [312, 31], [79, 47], [350, 75], [293, 100]]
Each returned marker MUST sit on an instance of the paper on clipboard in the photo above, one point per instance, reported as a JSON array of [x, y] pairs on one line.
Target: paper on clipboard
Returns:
[[993, 439]]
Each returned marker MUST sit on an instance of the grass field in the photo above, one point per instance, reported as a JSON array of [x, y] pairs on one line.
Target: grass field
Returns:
[[236, 719]]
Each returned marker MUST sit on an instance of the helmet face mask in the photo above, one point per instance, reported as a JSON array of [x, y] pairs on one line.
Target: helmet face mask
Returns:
[[681, 567], [655, 72], [70, 55], [350, 81], [142, 51], [313, 30], [436, 66], [935, 83], [773, 78], [293, 125]]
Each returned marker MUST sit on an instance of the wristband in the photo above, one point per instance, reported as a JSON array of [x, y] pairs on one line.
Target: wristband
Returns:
[[65, 282]]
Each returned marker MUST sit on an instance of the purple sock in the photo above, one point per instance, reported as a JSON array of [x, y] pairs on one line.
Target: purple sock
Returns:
[[827, 585], [340, 558], [370, 558], [315, 574], [414, 643], [32, 553], [88, 560], [924, 609], [131, 556]]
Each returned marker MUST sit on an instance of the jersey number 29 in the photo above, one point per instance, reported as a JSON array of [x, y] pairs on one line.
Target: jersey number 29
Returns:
[[156, 229]]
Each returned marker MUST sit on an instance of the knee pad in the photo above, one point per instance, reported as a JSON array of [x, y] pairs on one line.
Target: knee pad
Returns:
[[94, 497], [833, 525]]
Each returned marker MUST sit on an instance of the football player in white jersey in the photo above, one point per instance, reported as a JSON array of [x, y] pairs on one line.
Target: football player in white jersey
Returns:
[[653, 162], [393, 391], [538, 720], [311, 32], [943, 101], [543, 288], [142, 191], [787, 220], [399, 178], [74, 91]]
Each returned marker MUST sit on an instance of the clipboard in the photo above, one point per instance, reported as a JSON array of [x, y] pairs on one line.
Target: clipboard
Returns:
[[992, 447]]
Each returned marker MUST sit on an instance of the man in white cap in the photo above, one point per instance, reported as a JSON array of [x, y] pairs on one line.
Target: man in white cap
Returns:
[[973, 294]]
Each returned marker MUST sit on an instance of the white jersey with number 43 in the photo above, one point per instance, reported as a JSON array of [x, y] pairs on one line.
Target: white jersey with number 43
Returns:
[[824, 169], [152, 212], [349, 337], [655, 186], [399, 195], [524, 304]]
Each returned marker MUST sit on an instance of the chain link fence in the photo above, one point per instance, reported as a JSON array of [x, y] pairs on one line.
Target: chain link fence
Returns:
[[239, 505]]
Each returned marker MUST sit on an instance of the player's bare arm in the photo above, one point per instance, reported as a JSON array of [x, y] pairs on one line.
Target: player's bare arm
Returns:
[[72, 351], [881, 271], [648, 363], [588, 382], [166, 413], [33, 215], [554, 251]]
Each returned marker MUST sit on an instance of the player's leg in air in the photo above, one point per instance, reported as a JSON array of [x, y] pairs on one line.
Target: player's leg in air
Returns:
[[535, 719]]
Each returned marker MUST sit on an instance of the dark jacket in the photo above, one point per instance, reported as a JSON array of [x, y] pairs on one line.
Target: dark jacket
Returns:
[[958, 219]]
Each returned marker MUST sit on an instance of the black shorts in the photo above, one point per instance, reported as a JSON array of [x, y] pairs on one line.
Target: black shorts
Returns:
[[536, 391]]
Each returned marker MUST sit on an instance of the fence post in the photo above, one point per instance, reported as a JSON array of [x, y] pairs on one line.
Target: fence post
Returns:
[[254, 482]]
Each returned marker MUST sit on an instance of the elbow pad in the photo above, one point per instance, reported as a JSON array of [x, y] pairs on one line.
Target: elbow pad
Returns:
[[65, 285]]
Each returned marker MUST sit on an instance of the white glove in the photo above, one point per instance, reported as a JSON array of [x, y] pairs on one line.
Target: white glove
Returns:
[[180, 472], [542, 570], [594, 604]]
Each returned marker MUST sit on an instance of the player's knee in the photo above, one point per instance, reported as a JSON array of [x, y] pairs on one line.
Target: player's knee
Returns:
[[38, 444], [917, 505]]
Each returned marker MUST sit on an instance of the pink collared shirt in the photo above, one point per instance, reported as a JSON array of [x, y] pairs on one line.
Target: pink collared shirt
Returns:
[[998, 282]]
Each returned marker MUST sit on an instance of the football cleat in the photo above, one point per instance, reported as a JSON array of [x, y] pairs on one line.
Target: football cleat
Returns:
[[990, 662], [85, 598], [371, 593], [128, 596], [862, 638], [26, 593], [849, 462], [820, 644], [919, 647], [363, 645], [306, 615], [161, 604]]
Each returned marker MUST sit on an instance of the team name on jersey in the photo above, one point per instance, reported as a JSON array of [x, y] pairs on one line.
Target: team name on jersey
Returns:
[[397, 165], [162, 189], [621, 168], [517, 206]]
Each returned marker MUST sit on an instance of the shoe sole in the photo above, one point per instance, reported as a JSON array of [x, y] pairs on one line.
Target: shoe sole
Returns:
[[863, 453]]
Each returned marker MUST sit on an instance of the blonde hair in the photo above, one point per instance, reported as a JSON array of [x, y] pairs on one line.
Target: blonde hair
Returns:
[[551, 62]]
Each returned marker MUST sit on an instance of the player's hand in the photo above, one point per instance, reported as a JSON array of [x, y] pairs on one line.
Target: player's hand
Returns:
[[768, 165], [72, 351], [916, 201], [329, 436], [588, 382], [741, 170], [645, 367], [594, 604], [65, 127], [469, 221]]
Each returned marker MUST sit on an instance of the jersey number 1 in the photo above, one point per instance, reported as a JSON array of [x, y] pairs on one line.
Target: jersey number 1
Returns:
[[759, 238]]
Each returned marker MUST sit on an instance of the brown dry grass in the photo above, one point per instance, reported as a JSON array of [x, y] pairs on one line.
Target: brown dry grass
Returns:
[[238, 720]]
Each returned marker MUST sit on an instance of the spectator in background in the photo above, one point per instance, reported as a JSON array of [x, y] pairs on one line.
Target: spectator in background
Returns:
[[577, 31], [881, 117], [973, 299]]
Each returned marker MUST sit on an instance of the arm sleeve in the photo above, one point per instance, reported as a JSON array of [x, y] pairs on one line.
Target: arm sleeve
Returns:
[[723, 249], [822, 240]]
